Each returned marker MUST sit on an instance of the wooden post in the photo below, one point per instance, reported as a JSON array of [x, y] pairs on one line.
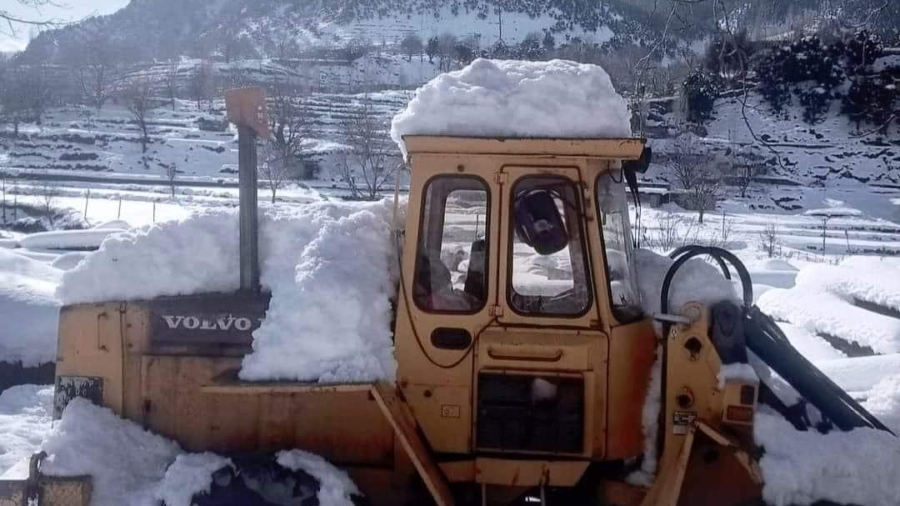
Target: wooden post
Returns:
[[87, 199], [119, 213], [154, 211]]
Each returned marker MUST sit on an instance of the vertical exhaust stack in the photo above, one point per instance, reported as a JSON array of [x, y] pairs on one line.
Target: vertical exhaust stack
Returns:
[[249, 227], [246, 108]]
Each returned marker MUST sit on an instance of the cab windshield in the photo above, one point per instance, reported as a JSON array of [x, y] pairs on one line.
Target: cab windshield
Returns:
[[549, 273]]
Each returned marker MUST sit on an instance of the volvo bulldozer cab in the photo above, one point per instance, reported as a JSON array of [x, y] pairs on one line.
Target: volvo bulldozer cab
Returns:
[[519, 333], [524, 357]]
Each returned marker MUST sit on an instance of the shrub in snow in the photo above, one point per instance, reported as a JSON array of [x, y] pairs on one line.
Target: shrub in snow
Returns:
[[700, 91], [860, 51], [774, 88], [729, 54], [506, 98], [807, 68], [815, 101]]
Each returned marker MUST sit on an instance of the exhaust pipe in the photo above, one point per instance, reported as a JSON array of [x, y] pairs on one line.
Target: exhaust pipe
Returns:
[[246, 107], [249, 221]]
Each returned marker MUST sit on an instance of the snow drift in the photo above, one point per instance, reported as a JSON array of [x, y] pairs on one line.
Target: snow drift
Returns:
[[25, 414], [328, 267], [802, 468], [837, 300], [29, 309], [69, 239], [504, 98], [130, 465]]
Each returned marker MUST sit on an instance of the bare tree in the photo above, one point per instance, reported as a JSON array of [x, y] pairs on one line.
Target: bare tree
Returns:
[[96, 70], [11, 19], [369, 146], [768, 240], [693, 170], [412, 45], [446, 45], [201, 83], [3, 202], [275, 168], [15, 99], [356, 48], [48, 192], [171, 176], [39, 91], [744, 175], [139, 105], [288, 124], [170, 81]]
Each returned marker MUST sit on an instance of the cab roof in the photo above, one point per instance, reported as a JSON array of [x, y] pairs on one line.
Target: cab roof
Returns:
[[607, 149]]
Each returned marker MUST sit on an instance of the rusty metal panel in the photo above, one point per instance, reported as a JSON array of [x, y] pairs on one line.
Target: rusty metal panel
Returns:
[[397, 412], [90, 344], [247, 107], [13, 492], [529, 473], [198, 402], [65, 491], [445, 414], [632, 350], [70, 387]]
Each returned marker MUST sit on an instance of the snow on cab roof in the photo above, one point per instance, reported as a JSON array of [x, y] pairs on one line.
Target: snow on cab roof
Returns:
[[507, 98]]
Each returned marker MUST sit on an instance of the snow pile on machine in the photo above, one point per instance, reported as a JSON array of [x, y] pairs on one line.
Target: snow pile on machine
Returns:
[[506, 98], [329, 268], [696, 281], [129, 465]]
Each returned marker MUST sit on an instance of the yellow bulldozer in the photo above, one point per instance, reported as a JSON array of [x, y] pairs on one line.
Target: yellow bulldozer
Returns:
[[507, 391]]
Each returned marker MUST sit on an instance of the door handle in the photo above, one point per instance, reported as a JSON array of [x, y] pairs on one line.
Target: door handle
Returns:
[[531, 356]]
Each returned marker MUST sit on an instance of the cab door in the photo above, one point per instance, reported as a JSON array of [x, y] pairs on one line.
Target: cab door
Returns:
[[540, 373]]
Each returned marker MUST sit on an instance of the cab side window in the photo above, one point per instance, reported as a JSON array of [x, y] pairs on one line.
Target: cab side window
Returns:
[[451, 256], [612, 204], [549, 274]]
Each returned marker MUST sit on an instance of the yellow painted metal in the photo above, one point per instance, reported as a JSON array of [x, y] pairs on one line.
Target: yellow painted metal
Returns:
[[606, 149], [405, 427], [425, 425], [515, 473]]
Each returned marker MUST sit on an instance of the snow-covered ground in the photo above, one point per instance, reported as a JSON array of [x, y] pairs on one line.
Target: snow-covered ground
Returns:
[[843, 275]]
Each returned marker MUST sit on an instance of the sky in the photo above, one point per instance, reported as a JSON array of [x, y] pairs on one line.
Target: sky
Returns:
[[60, 10]]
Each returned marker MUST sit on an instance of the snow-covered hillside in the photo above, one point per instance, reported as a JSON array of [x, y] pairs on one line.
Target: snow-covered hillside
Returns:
[[105, 144]]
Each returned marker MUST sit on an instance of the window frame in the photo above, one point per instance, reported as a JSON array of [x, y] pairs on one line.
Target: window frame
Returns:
[[510, 290], [636, 288], [487, 246]]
